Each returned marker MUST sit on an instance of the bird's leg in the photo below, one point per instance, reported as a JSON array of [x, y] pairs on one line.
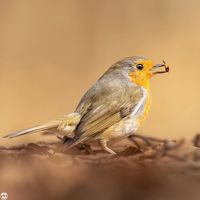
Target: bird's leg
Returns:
[[104, 146]]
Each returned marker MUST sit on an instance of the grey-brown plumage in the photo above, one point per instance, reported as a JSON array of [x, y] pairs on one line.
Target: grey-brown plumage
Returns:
[[112, 98], [110, 109]]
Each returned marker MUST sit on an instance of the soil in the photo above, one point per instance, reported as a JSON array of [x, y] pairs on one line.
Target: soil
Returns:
[[144, 168]]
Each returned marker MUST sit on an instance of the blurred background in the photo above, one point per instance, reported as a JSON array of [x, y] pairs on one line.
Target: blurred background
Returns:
[[51, 52]]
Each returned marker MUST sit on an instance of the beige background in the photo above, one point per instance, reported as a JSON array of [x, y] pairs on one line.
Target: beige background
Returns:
[[52, 51]]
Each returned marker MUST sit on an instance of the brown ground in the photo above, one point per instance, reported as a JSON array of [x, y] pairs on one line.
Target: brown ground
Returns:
[[159, 170]]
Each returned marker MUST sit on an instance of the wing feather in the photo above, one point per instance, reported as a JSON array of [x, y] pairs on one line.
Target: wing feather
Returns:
[[102, 115]]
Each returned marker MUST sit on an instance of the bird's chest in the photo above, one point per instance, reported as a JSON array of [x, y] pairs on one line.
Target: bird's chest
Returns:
[[132, 122]]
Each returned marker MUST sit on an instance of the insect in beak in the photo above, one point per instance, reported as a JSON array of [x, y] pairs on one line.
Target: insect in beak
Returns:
[[160, 68]]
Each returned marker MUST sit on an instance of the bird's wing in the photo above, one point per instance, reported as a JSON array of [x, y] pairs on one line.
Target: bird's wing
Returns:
[[102, 115]]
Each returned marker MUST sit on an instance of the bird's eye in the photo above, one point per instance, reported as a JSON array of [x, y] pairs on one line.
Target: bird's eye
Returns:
[[139, 66]]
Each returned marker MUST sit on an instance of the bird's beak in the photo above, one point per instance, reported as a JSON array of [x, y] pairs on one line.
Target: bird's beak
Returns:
[[160, 68]]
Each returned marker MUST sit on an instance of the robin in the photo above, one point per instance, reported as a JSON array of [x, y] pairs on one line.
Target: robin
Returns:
[[113, 108]]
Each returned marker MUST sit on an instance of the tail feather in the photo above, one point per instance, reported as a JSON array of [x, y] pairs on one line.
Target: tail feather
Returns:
[[69, 143], [47, 126]]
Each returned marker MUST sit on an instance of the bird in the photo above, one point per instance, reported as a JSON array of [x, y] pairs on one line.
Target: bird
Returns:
[[113, 108]]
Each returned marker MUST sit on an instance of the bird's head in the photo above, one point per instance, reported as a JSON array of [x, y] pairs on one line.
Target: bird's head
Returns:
[[140, 69]]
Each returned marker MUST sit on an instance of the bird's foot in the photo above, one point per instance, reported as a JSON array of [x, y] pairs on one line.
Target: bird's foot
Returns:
[[104, 146]]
